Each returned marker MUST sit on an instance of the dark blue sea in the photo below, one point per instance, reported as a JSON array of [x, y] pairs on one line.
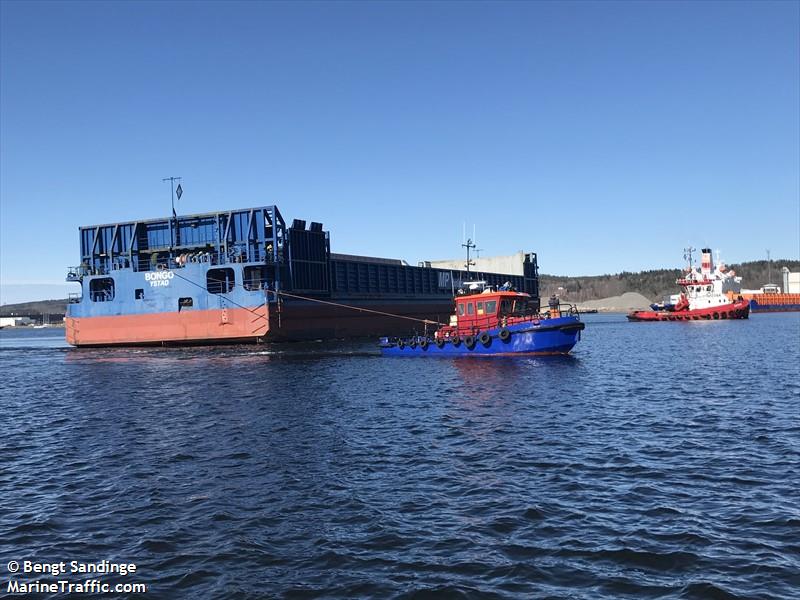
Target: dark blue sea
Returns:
[[660, 460]]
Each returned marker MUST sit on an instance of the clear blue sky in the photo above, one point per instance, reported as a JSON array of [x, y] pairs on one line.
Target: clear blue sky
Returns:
[[604, 136]]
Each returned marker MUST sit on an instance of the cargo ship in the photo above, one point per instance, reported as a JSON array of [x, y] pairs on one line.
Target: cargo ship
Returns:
[[244, 276], [771, 298]]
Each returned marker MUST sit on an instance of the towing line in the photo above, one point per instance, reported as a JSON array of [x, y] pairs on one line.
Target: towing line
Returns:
[[357, 308], [296, 296]]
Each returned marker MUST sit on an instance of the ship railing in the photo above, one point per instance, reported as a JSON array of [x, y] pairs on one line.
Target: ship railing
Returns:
[[176, 262], [255, 284], [119, 264], [492, 321], [184, 259], [77, 273], [482, 323], [74, 298], [563, 310]]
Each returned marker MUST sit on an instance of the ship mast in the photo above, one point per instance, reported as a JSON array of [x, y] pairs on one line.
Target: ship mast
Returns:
[[174, 222], [469, 244], [687, 256]]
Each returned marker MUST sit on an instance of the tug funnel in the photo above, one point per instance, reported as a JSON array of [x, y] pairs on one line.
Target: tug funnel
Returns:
[[706, 264]]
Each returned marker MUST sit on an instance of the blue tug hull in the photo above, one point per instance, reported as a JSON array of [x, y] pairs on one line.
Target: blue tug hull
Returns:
[[548, 336]]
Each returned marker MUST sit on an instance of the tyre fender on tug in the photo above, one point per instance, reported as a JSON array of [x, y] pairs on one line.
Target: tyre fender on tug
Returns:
[[504, 334], [469, 342], [484, 338]]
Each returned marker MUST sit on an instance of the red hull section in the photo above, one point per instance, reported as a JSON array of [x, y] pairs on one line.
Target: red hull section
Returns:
[[737, 310], [294, 321], [185, 327]]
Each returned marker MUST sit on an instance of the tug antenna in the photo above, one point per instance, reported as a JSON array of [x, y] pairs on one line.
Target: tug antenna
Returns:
[[468, 245]]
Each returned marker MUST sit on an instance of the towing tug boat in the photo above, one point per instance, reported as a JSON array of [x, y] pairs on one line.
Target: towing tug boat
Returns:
[[707, 293], [492, 321]]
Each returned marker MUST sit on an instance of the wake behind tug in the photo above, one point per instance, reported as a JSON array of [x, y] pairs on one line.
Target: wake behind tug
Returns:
[[492, 321]]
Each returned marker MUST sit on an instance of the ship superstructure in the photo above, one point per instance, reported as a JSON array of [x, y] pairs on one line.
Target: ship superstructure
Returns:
[[708, 285]]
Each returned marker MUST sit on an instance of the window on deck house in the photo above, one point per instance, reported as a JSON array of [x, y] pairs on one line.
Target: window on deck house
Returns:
[[219, 281]]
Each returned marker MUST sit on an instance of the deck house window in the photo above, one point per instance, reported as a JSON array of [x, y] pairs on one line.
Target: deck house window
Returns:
[[219, 281], [460, 309], [102, 289], [255, 278], [491, 307], [470, 308], [480, 308], [139, 294]]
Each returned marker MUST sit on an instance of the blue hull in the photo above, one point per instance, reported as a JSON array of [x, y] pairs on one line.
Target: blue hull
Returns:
[[549, 336], [760, 308]]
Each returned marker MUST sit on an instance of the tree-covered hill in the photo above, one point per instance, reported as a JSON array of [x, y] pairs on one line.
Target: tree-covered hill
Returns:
[[653, 284]]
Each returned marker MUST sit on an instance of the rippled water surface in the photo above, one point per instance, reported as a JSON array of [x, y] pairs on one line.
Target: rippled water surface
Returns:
[[661, 460]]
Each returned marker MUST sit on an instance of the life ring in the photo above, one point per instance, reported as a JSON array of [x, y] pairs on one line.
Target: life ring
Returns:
[[504, 335], [423, 343], [439, 343], [484, 338], [456, 341], [469, 342]]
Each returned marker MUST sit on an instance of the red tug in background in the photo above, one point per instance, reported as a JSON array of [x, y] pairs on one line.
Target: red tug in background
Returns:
[[707, 293]]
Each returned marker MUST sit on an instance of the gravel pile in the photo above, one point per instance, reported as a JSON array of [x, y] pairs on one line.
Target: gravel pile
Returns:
[[627, 302]]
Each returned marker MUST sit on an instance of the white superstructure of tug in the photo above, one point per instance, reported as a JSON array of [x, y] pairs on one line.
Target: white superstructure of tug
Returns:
[[708, 286]]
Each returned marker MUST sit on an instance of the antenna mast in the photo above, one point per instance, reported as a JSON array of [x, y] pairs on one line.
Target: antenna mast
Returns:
[[172, 223], [687, 255], [468, 245], [172, 181]]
